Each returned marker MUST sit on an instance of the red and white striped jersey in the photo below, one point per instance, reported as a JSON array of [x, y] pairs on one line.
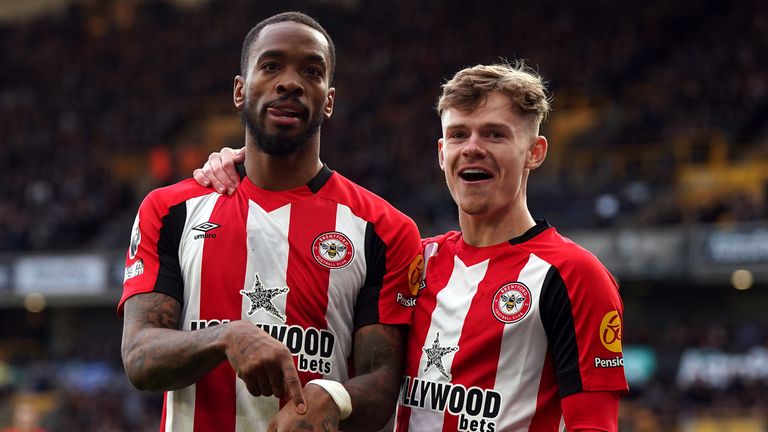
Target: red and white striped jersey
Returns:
[[308, 265], [501, 333]]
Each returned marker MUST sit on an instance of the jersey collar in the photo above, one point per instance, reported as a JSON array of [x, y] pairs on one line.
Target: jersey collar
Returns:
[[314, 184], [540, 227], [319, 180], [271, 200]]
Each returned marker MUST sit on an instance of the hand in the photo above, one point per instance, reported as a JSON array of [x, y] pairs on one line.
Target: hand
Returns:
[[265, 364], [322, 414], [219, 172]]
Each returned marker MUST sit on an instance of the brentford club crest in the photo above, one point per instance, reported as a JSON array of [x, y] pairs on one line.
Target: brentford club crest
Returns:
[[511, 302], [333, 250]]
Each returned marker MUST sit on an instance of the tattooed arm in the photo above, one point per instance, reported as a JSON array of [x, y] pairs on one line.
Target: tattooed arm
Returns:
[[158, 356], [378, 356]]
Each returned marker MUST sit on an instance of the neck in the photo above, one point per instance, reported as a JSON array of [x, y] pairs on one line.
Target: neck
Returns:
[[490, 229], [282, 172]]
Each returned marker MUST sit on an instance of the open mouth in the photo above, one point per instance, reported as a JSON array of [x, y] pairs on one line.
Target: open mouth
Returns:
[[474, 174]]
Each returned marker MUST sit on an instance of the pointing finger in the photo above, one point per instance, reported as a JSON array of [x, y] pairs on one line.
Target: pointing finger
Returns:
[[293, 386]]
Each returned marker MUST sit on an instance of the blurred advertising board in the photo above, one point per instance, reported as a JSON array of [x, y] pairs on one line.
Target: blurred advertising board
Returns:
[[639, 364], [723, 250], [647, 254], [5, 275], [720, 369], [706, 254], [60, 275]]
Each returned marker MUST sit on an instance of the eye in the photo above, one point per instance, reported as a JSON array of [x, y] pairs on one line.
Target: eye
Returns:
[[457, 135], [495, 135], [314, 71], [269, 66]]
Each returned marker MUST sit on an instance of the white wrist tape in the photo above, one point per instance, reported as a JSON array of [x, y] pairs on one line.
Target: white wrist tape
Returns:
[[338, 393]]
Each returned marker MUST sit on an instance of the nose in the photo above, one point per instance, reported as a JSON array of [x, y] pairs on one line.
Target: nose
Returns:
[[290, 82], [473, 147]]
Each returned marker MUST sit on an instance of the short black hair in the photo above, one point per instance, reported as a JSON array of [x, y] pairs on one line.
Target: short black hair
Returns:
[[297, 17]]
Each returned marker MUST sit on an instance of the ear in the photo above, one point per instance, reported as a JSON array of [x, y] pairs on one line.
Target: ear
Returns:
[[238, 92], [537, 153], [440, 157], [328, 108]]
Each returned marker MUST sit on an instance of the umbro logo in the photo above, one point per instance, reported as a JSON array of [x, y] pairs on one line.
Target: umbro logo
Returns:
[[205, 227]]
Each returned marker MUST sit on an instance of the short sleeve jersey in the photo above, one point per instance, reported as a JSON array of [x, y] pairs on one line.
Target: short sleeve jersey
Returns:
[[308, 266], [501, 333]]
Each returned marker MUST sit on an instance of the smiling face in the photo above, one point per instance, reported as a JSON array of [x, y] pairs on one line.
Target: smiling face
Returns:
[[285, 95], [487, 154]]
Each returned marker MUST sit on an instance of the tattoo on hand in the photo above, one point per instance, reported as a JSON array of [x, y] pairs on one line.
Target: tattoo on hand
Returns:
[[328, 423], [304, 425]]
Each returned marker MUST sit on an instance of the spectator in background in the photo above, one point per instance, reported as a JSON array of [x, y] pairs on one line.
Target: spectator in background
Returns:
[[26, 417]]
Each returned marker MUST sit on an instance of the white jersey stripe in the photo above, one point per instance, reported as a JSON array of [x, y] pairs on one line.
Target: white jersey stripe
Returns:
[[253, 413], [524, 369], [341, 300], [267, 256], [180, 409], [448, 318], [169, 411], [191, 254]]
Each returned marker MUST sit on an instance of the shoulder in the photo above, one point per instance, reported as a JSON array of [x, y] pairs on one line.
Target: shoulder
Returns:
[[438, 241], [574, 263], [161, 199], [561, 252], [365, 204]]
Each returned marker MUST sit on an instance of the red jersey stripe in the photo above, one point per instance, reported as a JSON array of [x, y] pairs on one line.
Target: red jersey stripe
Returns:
[[465, 369], [548, 412], [216, 390], [417, 338], [307, 301]]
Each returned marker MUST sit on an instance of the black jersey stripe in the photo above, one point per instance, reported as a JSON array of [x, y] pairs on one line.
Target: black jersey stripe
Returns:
[[557, 318], [367, 305], [169, 280]]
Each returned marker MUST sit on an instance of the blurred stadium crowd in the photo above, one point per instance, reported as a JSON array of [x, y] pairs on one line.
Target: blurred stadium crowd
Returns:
[[641, 91], [659, 118]]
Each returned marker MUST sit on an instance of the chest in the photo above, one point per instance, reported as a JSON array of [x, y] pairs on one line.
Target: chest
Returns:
[[313, 251], [482, 300]]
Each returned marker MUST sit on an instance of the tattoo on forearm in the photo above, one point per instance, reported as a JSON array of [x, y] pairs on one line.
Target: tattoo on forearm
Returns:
[[378, 357], [378, 349], [163, 361], [163, 313]]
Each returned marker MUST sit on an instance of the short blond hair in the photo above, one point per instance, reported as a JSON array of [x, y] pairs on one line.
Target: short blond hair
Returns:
[[470, 87]]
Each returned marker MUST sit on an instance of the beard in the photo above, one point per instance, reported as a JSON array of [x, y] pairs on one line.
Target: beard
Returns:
[[278, 144]]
